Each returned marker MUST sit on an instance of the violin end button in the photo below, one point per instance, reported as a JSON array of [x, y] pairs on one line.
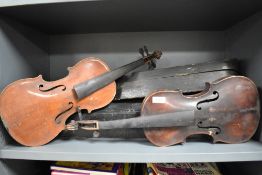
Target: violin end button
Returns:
[[96, 134]]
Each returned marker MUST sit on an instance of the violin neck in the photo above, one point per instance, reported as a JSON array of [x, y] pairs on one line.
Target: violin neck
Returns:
[[88, 87], [183, 118]]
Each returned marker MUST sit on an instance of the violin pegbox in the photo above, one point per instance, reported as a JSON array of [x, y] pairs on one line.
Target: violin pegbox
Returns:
[[150, 59]]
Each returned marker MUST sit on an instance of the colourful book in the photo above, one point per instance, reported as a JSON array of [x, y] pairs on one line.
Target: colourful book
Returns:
[[151, 170], [86, 168], [67, 173], [204, 169], [173, 169], [184, 169]]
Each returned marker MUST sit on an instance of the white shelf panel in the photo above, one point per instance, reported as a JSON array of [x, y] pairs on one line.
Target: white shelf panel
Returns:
[[112, 150]]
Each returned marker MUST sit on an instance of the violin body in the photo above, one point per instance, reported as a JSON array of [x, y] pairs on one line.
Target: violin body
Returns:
[[34, 111], [228, 110]]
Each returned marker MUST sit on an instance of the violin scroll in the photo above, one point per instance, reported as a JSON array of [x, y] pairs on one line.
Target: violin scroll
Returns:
[[150, 58]]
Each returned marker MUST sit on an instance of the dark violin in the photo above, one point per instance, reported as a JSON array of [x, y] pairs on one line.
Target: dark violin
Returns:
[[228, 110], [34, 111]]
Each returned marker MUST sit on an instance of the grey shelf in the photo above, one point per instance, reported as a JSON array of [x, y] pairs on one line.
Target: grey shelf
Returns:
[[130, 15], [45, 37], [113, 150]]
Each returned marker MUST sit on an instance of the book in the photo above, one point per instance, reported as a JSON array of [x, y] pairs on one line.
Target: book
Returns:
[[204, 169], [126, 168], [173, 169], [85, 168], [184, 169], [67, 173], [151, 170]]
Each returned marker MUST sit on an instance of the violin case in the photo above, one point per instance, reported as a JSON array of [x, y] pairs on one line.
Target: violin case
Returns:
[[133, 87], [189, 78]]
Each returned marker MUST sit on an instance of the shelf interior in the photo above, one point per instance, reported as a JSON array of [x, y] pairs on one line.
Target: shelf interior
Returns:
[[132, 16], [32, 53]]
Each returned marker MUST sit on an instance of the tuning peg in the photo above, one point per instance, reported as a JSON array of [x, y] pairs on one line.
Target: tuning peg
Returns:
[[153, 63], [150, 66], [146, 50], [141, 51]]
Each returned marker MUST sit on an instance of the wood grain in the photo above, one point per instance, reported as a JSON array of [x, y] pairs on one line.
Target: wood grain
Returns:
[[34, 111], [232, 116]]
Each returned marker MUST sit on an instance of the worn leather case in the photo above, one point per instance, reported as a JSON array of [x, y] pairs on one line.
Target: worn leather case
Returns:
[[189, 78], [131, 89]]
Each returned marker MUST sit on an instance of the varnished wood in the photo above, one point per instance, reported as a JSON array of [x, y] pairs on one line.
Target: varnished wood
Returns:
[[238, 97], [34, 111]]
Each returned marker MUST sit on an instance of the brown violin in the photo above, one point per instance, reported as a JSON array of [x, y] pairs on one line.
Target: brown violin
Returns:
[[228, 110], [34, 111]]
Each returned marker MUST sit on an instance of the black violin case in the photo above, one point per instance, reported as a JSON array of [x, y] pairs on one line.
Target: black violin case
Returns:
[[189, 78], [132, 88]]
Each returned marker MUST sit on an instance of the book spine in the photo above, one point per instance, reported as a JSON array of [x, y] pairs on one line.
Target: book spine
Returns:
[[67, 173]]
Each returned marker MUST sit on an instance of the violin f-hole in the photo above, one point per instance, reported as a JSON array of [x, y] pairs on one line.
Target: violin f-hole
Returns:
[[58, 118], [216, 129], [216, 96], [41, 88]]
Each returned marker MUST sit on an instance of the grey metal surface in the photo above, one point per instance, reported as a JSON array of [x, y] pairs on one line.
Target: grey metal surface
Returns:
[[115, 150], [23, 52], [134, 15], [244, 41]]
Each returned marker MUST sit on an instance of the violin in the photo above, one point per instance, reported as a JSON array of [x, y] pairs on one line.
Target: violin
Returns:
[[34, 111], [228, 110]]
